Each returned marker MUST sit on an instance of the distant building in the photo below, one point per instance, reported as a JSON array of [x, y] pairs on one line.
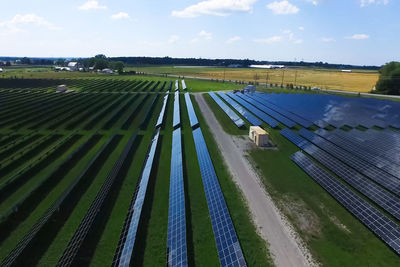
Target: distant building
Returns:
[[268, 66], [259, 136], [109, 71], [346, 70], [74, 66]]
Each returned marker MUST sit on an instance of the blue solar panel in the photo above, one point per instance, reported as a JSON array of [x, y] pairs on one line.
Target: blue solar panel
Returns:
[[379, 176], [176, 238], [176, 85], [192, 115], [262, 106], [229, 250], [294, 138], [264, 117], [177, 114], [231, 114], [250, 117], [379, 224], [124, 251], [183, 85], [160, 119]]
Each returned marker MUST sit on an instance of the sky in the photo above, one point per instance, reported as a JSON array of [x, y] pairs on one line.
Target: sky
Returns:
[[362, 32]]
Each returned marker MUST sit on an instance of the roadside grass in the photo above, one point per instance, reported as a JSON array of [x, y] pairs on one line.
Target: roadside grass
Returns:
[[254, 247]]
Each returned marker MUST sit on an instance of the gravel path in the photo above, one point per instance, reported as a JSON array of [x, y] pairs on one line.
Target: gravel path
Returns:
[[284, 244]]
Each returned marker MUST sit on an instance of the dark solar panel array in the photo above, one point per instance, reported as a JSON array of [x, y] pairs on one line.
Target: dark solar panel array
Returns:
[[362, 152], [160, 119], [379, 176], [229, 250], [250, 117], [87, 222], [294, 117], [177, 115], [192, 115], [228, 111], [262, 106], [126, 243], [176, 237], [379, 224], [183, 85], [264, 117]]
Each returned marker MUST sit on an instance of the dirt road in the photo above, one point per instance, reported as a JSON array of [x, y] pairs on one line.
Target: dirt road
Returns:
[[284, 245]]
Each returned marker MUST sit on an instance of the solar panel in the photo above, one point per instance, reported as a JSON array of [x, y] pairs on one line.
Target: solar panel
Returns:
[[183, 85], [177, 114], [229, 250], [264, 117], [192, 114], [294, 138], [381, 177], [228, 111], [126, 244], [262, 106], [176, 85], [176, 237], [160, 119], [250, 117], [379, 224]]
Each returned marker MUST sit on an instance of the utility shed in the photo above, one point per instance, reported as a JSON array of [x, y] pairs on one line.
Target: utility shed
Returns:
[[259, 136], [61, 88]]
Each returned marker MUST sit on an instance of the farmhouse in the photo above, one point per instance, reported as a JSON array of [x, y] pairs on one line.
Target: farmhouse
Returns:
[[259, 136], [74, 66]]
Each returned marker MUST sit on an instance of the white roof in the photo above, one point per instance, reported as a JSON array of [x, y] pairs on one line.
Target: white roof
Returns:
[[72, 64]]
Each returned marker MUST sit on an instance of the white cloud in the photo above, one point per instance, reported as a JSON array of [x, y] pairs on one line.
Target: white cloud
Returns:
[[283, 8], [91, 4], [359, 36], [121, 15], [327, 39], [364, 3], [205, 35], [233, 39], [298, 41], [173, 39], [194, 40], [270, 40], [301, 28], [314, 2], [215, 7], [11, 26]]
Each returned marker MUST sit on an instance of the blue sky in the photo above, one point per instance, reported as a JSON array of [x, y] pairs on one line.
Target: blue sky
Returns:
[[364, 32]]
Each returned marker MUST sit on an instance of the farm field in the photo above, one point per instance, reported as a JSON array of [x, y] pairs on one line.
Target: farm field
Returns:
[[357, 81], [70, 164], [334, 233]]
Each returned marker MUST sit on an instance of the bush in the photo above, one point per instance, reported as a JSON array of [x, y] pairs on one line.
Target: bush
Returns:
[[389, 80]]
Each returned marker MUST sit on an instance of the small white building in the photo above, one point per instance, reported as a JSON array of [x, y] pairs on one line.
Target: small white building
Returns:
[[259, 136], [109, 71], [73, 66], [62, 88]]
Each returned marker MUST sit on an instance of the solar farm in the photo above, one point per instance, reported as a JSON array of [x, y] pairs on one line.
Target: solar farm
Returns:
[[127, 172], [114, 173], [348, 146]]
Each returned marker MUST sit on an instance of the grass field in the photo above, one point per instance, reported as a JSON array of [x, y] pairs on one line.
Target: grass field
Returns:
[[333, 235], [357, 81], [105, 110]]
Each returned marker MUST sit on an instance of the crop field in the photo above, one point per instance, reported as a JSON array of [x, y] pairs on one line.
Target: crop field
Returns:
[[357, 81], [334, 172], [75, 166]]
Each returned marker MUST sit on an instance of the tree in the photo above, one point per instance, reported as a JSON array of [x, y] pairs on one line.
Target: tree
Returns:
[[25, 60], [389, 79], [117, 65]]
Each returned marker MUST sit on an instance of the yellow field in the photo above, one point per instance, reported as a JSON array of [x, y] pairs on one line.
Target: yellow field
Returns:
[[326, 79], [356, 81]]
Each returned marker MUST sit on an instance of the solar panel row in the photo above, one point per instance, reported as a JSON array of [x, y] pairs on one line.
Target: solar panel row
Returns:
[[123, 254], [262, 106], [176, 236], [160, 119], [294, 117], [250, 117], [177, 115], [228, 111], [379, 224], [183, 85], [176, 85], [383, 198], [75, 244], [381, 177], [264, 117], [362, 152], [229, 250], [192, 115]]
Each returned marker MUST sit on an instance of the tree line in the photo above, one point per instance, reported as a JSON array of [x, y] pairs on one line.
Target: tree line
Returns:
[[389, 79]]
